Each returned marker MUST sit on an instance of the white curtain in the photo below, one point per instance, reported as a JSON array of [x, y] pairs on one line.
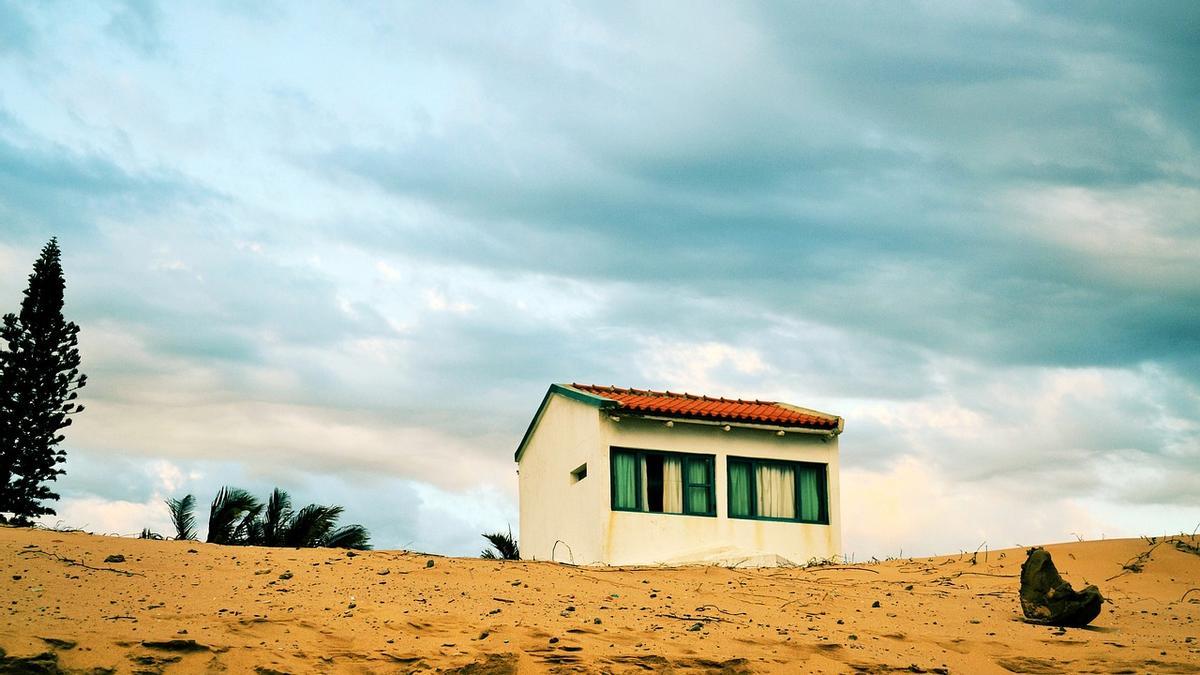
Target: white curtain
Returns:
[[672, 485], [776, 491], [645, 490]]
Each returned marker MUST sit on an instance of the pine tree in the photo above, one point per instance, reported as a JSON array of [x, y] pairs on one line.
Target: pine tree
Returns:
[[39, 379]]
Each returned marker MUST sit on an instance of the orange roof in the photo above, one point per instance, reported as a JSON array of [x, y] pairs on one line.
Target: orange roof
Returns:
[[691, 406]]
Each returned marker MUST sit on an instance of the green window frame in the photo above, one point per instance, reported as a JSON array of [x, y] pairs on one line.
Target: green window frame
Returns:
[[810, 481], [698, 481]]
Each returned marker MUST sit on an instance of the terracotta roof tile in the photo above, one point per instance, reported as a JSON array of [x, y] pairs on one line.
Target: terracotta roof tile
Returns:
[[717, 409]]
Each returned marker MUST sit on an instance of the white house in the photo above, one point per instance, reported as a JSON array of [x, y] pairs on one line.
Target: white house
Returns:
[[626, 476]]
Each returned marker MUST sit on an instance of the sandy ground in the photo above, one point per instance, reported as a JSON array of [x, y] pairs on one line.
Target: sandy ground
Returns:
[[191, 607]]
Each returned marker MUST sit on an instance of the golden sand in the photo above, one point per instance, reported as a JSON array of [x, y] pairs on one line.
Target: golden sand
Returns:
[[190, 607]]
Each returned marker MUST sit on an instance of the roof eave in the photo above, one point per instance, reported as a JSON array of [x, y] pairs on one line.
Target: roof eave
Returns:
[[735, 423]]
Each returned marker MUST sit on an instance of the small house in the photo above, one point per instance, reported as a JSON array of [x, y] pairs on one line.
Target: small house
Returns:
[[628, 476]]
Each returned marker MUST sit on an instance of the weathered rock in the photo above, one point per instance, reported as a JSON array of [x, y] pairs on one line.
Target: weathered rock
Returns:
[[115, 558], [39, 663], [176, 645], [1047, 598]]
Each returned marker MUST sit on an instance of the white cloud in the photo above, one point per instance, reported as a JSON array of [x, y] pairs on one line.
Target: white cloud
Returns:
[[438, 302], [701, 368]]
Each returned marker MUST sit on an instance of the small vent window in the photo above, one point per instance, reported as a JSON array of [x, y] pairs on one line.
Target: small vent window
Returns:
[[579, 473]]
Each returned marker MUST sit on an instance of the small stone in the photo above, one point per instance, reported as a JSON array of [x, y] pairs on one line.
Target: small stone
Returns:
[[115, 558], [875, 604], [852, 636], [286, 575], [908, 587], [428, 564], [696, 626], [597, 621], [384, 572], [553, 640], [840, 622]]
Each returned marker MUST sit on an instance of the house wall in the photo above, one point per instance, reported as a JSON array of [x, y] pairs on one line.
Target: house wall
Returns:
[[552, 506], [643, 538]]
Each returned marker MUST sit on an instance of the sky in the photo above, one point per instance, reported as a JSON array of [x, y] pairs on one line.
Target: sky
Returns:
[[344, 249]]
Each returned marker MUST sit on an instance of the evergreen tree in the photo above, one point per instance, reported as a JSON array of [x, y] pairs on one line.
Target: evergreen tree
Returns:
[[39, 379]]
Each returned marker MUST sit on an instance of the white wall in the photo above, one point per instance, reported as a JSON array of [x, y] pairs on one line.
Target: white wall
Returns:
[[552, 506], [580, 514]]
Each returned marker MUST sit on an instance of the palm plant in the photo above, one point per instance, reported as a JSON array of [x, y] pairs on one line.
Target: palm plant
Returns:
[[349, 536], [311, 525], [275, 520], [183, 517], [230, 517], [237, 518], [505, 547]]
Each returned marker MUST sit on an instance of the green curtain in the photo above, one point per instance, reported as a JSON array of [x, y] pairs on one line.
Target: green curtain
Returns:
[[739, 489], [698, 483], [624, 480], [810, 494]]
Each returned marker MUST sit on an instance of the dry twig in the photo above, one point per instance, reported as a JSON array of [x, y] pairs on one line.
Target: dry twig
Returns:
[[76, 563]]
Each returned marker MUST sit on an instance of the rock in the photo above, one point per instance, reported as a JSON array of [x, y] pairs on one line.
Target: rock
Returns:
[[59, 643], [115, 558], [696, 626], [875, 604], [1046, 598], [176, 645], [285, 576], [428, 564], [40, 663]]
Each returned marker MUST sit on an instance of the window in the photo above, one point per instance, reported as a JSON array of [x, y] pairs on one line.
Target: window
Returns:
[[662, 482], [579, 473], [775, 490]]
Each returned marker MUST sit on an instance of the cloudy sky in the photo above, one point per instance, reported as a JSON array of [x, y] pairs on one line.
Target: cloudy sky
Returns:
[[345, 251]]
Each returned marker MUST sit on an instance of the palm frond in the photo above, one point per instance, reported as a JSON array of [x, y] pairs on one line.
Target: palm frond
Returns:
[[278, 514], [349, 536], [311, 525], [506, 546], [489, 554], [228, 516], [183, 517]]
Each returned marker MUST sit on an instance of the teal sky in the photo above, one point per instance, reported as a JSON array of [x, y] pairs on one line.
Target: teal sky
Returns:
[[344, 249]]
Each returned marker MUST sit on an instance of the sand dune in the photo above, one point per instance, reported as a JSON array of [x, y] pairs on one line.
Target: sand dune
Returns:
[[191, 607]]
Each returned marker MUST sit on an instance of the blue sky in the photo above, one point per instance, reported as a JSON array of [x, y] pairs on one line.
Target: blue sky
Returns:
[[345, 250]]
